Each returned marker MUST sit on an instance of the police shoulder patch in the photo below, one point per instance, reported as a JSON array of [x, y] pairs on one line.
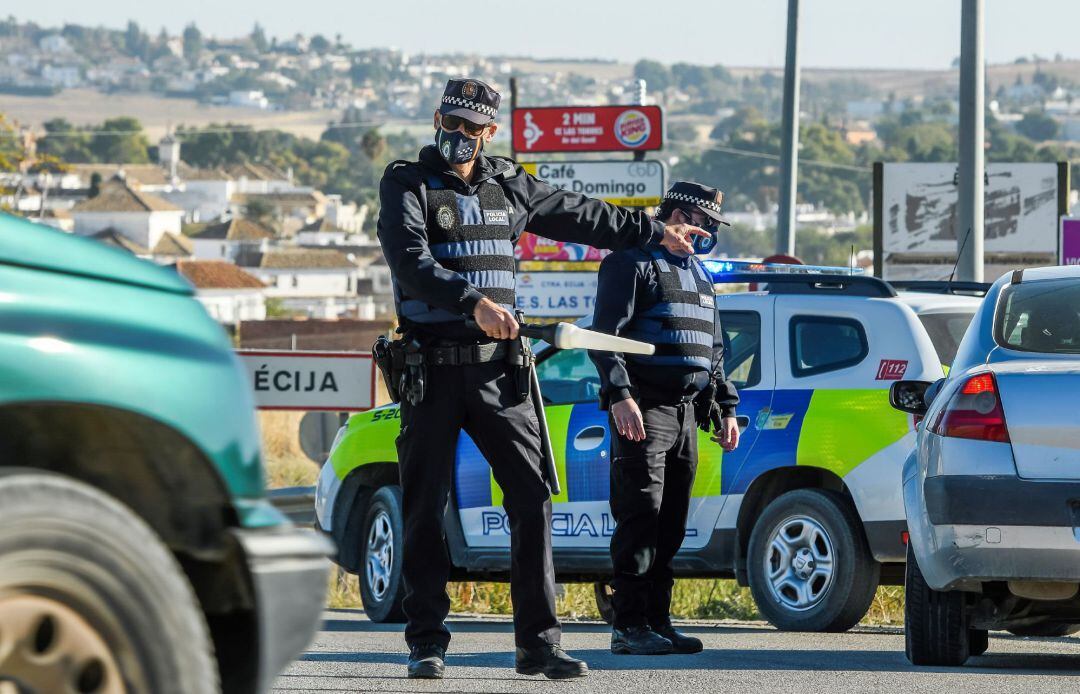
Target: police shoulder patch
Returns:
[[444, 217]]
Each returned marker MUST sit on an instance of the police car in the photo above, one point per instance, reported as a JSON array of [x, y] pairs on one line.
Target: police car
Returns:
[[807, 511]]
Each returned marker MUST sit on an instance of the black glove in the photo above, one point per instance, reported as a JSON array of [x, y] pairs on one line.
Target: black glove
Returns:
[[706, 410]]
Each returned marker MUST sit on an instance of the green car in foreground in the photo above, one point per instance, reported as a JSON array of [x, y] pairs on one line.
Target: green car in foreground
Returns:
[[138, 550]]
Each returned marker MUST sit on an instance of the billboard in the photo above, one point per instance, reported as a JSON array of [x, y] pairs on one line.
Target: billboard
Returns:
[[533, 247], [915, 215], [587, 129], [556, 294], [624, 183], [1070, 241]]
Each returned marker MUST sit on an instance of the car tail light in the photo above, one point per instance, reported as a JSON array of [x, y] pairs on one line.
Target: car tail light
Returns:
[[974, 412]]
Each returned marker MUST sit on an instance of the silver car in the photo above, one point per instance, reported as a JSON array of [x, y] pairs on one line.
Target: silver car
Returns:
[[992, 490]]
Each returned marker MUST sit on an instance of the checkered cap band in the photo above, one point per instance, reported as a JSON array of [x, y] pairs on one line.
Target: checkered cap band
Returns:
[[693, 200], [473, 105]]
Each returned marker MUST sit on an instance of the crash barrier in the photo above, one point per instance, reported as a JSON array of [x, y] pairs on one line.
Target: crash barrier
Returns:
[[297, 503]]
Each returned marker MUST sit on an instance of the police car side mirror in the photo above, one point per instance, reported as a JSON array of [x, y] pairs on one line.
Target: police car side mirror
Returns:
[[909, 396]]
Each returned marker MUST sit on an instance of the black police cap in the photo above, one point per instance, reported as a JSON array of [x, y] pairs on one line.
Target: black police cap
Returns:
[[470, 99], [703, 197]]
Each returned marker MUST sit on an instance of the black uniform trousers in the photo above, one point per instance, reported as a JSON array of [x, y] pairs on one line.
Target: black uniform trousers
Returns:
[[482, 400], [651, 481]]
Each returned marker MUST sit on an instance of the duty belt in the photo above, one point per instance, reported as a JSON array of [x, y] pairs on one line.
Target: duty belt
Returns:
[[463, 355]]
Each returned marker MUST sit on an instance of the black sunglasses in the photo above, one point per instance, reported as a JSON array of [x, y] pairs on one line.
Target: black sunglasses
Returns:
[[452, 123]]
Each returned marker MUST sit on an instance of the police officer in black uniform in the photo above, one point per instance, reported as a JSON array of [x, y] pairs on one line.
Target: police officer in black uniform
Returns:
[[656, 403], [447, 225]]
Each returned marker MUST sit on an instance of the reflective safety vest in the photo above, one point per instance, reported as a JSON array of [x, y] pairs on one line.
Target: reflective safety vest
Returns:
[[682, 324], [469, 235]]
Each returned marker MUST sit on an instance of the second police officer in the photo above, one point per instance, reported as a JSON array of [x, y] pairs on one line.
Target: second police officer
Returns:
[[656, 403], [447, 225]]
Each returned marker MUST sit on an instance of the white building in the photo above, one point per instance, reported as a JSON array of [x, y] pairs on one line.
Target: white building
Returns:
[[231, 238], [141, 217], [319, 282], [249, 99], [229, 294]]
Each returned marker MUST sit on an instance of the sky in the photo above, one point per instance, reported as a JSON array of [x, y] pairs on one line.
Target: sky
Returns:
[[833, 33]]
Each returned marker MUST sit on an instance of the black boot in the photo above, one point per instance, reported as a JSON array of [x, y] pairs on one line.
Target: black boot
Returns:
[[551, 661], [680, 642], [426, 662], [639, 641]]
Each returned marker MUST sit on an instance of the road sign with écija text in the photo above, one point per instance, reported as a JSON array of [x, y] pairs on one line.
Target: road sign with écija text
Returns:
[[332, 381]]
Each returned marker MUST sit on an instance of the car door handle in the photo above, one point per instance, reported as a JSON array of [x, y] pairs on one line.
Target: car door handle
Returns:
[[589, 438], [743, 421]]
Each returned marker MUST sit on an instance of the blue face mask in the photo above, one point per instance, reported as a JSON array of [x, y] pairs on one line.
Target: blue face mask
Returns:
[[456, 147], [703, 245]]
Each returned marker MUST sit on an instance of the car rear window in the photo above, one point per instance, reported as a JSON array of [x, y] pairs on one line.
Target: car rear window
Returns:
[[1041, 316], [946, 330]]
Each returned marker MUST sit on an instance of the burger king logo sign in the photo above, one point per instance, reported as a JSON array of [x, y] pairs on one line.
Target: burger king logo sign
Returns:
[[632, 128]]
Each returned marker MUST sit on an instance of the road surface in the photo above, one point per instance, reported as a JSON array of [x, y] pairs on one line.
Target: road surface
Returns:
[[350, 654]]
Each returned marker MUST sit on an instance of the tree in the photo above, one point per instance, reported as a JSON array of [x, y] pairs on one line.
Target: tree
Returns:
[[258, 38], [11, 146], [193, 42], [65, 142], [320, 44], [120, 141], [136, 43], [1038, 126], [373, 144], [657, 77]]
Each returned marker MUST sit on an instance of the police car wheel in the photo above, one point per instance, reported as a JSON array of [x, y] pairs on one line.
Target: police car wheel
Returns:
[[936, 630], [809, 566], [91, 600], [381, 586]]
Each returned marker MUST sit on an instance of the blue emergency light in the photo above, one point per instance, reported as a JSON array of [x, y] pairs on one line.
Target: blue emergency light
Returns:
[[722, 270]]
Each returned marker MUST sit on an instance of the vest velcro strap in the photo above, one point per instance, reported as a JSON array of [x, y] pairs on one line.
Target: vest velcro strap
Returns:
[[679, 323], [478, 262], [683, 349], [681, 296], [498, 295], [469, 233]]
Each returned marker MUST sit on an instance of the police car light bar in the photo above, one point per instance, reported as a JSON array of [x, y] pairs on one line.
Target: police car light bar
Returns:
[[723, 269]]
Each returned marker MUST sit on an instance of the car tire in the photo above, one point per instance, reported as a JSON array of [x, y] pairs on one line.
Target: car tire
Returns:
[[90, 598], [382, 588], [936, 630], [1046, 630], [787, 573], [978, 641], [604, 604]]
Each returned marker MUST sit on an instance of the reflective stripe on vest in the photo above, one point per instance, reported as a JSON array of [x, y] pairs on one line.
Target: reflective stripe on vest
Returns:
[[682, 324], [469, 235]]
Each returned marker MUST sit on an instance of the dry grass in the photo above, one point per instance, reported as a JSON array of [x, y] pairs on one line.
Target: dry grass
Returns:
[[706, 599], [286, 463]]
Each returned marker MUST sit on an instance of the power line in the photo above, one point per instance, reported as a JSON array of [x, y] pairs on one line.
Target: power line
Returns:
[[773, 157], [211, 131]]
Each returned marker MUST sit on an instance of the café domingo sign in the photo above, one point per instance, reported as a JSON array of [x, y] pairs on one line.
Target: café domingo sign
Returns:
[[588, 129], [332, 381], [625, 183]]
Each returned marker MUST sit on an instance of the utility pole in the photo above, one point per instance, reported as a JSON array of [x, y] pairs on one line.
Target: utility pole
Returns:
[[969, 217], [789, 152]]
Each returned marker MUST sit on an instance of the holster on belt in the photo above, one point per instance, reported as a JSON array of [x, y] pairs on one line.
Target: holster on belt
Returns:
[[383, 354], [520, 358], [401, 363]]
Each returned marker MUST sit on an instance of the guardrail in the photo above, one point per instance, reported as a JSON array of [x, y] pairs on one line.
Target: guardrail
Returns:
[[298, 503]]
